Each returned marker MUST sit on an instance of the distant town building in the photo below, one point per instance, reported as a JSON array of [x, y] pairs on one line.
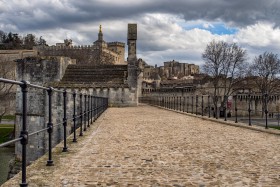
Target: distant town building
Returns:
[[171, 70], [100, 53], [170, 76]]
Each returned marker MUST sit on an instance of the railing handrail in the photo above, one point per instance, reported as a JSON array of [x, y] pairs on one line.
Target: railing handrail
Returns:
[[98, 106], [175, 103]]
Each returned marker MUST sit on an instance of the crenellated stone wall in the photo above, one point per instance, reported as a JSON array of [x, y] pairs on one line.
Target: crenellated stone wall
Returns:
[[87, 54]]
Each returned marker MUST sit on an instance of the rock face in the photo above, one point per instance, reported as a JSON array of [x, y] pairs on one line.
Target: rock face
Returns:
[[14, 168]]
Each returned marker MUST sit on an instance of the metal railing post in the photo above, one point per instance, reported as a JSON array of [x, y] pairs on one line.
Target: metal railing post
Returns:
[[50, 127], [266, 111], [24, 133], [184, 103], [99, 103], [81, 114], [202, 105], [216, 107], [74, 116], [104, 104], [249, 109], [95, 108], [64, 122], [91, 108], [192, 105], [88, 111], [235, 103], [169, 103], [180, 103], [176, 103], [187, 104], [196, 104], [209, 109], [85, 113], [225, 107]]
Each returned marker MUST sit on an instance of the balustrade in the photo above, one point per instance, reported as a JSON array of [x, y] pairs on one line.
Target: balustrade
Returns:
[[93, 107]]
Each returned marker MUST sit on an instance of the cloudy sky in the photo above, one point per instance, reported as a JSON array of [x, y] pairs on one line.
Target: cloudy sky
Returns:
[[167, 29]]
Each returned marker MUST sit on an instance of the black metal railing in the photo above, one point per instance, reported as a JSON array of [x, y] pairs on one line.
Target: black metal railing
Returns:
[[93, 107], [203, 107]]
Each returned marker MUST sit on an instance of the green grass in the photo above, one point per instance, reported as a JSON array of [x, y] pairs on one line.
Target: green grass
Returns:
[[7, 125], [5, 133], [9, 117], [278, 128]]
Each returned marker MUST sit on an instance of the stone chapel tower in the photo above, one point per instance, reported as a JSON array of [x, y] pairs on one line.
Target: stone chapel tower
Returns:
[[131, 42], [132, 58], [133, 66]]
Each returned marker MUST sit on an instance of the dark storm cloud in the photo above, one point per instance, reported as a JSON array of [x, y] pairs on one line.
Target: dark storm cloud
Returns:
[[161, 34], [26, 16], [238, 12]]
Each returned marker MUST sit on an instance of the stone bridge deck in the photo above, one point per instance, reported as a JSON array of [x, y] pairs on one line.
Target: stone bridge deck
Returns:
[[147, 146]]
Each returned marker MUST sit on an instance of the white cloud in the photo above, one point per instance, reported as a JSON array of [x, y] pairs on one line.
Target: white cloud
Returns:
[[165, 31], [259, 35], [163, 38]]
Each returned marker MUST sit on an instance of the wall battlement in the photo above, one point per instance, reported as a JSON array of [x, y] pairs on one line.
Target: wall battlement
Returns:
[[119, 44], [92, 47]]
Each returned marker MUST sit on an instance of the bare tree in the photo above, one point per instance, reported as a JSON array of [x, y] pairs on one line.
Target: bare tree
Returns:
[[7, 71], [225, 64], [265, 69], [29, 41]]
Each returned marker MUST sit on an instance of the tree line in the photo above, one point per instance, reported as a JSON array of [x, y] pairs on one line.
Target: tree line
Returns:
[[12, 41], [230, 72]]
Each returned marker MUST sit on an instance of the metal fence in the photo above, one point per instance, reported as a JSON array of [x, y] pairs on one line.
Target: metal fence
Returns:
[[93, 108], [203, 105]]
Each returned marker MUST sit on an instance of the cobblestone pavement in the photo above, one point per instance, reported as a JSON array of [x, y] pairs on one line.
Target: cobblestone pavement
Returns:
[[147, 146]]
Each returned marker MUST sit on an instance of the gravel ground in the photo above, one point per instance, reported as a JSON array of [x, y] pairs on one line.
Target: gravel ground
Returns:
[[147, 146]]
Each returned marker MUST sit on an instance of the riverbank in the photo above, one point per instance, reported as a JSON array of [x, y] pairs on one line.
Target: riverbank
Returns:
[[6, 132], [6, 154]]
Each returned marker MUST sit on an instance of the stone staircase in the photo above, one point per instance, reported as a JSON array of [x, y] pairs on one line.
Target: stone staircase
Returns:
[[106, 75]]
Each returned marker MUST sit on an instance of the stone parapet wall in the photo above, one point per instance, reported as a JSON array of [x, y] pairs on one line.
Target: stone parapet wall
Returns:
[[49, 72], [39, 71], [17, 54]]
